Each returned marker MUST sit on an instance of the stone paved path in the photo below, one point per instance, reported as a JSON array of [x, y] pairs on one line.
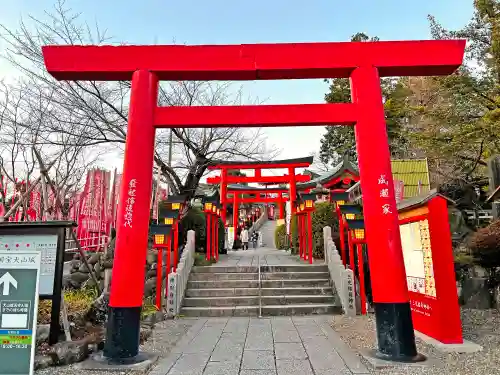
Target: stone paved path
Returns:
[[268, 256], [253, 346]]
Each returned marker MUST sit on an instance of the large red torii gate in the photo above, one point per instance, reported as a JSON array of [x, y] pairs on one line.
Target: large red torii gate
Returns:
[[363, 62]]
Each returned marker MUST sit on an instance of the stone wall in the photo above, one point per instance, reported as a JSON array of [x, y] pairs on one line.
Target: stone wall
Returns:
[[79, 276]]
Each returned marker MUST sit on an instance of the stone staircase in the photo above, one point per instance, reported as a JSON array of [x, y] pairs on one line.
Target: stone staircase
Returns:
[[234, 291]]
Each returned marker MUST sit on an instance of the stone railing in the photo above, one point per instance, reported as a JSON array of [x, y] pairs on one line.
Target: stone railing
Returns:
[[177, 281], [259, 223], [342, 277]]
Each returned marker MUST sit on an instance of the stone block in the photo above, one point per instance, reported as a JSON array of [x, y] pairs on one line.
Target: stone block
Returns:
[[290, 350], [258, 360], [293, 367]]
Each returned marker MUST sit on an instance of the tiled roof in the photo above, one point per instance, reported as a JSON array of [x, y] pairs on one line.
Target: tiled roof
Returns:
[[334, 173], [411, 172]]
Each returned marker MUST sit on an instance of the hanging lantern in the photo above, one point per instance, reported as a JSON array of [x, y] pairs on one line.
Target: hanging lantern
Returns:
[[350, 211], [308, 201], [176, 202], [339, 198], [357, 229], [160, 234]]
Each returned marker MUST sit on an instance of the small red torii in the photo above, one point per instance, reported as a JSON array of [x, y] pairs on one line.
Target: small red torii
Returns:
[[224, 179]]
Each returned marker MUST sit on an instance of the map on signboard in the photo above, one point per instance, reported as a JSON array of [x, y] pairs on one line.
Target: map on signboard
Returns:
[[417, 254], [46, 244], [413, 256]]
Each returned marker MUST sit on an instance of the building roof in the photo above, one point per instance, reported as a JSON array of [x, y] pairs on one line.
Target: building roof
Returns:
[[421, 200], [345, 165], [411, 171]]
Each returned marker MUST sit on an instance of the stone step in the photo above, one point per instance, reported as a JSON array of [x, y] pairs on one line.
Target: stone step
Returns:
[[222, 292], [294, 275], [220, 311], [295, 283], [302, 309], [223, 284], [224, 269], [269, 310], [295, 268], [227, 284], [263, 268], [296, 291], [219, 302], [254, 300], [297, 300], [223, 276], [230, 292]]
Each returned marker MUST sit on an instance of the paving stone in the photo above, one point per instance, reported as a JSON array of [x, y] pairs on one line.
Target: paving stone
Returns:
[[286, 336], [227, 350], [290, 350], [329, 360], [236, 337], [343, 371], [293, 367], [258, 372], [190, 364], [259, 343], [222, 368], [258, 360]]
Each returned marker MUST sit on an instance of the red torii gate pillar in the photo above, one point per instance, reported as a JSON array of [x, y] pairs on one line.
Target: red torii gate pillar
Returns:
[[235, 215], [362, 62], [281, 205]]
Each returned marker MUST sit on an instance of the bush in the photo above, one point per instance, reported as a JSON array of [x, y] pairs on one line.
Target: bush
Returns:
[[323, 215], [194, 220], [280, 237], [200, 260], [485, 246], [294, 247]]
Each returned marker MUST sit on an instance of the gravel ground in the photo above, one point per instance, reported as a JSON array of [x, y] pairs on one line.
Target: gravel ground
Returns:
[[479, 326], [165, 335]]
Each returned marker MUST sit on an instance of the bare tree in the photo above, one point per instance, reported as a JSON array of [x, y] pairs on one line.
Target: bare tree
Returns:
[[23, 118], [95, 113]]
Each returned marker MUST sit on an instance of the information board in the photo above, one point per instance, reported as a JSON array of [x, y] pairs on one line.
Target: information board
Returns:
[[46, 245], [19, 276]]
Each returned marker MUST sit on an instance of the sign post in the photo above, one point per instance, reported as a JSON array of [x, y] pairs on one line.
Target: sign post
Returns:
[[48, 239], [19, 278]]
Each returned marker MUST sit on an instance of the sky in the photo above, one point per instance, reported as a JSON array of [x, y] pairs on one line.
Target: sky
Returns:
[[256, 21]]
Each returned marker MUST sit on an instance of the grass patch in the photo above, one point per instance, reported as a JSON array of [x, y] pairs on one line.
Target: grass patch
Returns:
[[148, 307], [200, 260], [77, 302]]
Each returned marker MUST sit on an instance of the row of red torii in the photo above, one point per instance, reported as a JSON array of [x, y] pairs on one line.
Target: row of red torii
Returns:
[[231, 191], [362, 62]]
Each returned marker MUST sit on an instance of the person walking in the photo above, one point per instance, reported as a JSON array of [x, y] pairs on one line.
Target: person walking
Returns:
[[244, 238], [255, 239]]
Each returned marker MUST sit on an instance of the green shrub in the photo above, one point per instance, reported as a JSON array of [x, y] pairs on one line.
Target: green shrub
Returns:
[[222, 233], [200, 260], [294, 246], [194, 220], [280, 237], [323, 215]]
